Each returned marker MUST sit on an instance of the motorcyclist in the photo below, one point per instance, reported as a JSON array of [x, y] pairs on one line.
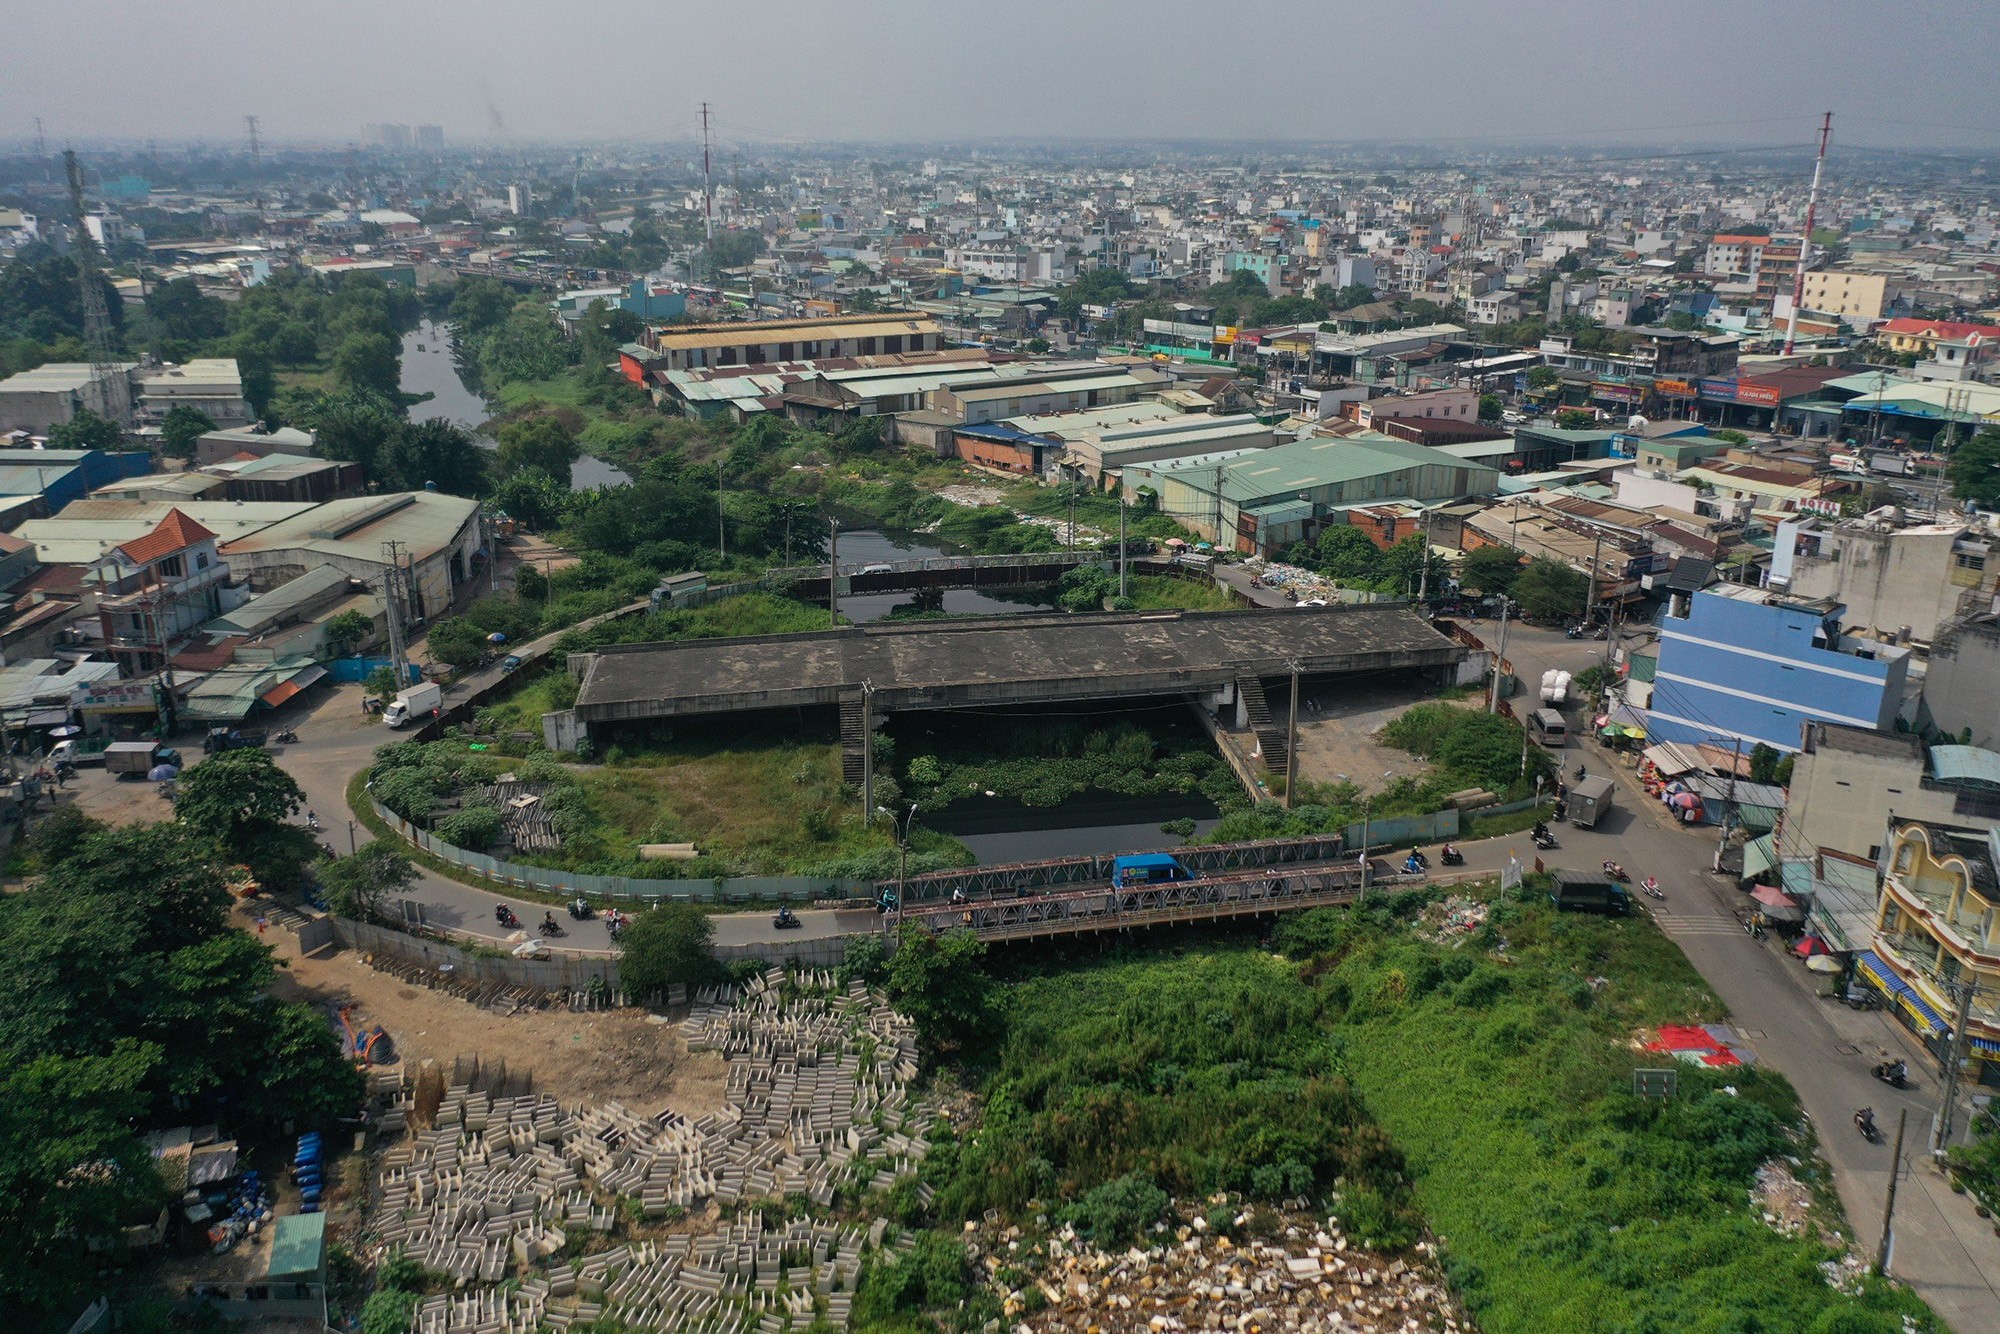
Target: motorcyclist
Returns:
[[501, 914], [957, 897], [1541, 829], [312, 819], [1581, 773], [549, 923], [1864, 1120]]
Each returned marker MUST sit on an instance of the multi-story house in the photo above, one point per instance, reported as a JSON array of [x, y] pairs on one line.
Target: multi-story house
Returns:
[[154, 591], [1937, 935]]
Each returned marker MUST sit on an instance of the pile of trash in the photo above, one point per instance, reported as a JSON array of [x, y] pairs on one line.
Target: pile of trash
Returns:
[[1306, 584], [1450, 921], [1788, 1207], [1307, 1277], [244, 1213]]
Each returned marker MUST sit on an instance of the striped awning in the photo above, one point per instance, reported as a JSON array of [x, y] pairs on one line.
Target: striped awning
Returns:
[[1929, 1021], [1987, 1046]]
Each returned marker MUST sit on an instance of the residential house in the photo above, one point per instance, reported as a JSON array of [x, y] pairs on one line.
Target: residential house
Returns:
[[1938, 934], [155, 589]]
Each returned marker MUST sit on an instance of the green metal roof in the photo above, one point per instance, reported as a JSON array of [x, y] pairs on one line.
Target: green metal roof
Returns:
[[298, 1245], [1330, 461]]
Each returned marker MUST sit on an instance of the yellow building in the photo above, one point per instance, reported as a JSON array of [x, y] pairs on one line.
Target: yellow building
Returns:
[[1852, 296], [1937, 926]]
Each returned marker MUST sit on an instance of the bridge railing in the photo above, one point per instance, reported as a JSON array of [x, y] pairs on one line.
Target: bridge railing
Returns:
[[930, 563], [1202, 858], [1106, 908]]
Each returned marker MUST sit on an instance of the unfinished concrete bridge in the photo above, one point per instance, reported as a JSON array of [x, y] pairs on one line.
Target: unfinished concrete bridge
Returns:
[[1218, 661], [930, 578]]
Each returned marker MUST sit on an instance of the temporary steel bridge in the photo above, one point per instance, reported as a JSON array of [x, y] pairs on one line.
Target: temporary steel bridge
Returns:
[[1009, 878]]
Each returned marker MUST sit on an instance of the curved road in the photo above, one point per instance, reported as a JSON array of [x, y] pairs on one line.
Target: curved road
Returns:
[[1950, 1256]]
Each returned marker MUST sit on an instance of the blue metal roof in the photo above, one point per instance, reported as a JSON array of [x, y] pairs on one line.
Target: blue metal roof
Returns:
[[1965, 764]]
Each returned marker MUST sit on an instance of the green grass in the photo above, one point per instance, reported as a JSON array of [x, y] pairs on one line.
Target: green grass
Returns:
[[1160, 592], [564, 390], [1563, 1201]]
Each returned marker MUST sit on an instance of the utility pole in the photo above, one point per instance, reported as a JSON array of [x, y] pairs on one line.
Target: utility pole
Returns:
[[1121, 540], [1941, 1135], [707, 195], [1590, 589], [868, 753], [1292, 736], [1889, 1205], [721, 518], [1424, 562], [1805, 241], [393, 608], [1493, 700], [1729, 813], [833, 572]]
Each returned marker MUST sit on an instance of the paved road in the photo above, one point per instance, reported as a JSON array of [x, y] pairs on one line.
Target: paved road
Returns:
[[1943, 1250], [1948, 1254]]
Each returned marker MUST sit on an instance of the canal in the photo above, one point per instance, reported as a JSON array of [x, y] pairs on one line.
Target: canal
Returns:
[[869, 546], [430, 366]]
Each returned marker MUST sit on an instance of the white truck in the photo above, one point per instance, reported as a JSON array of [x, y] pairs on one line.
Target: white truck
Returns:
[[416, 702], [1555, 687]]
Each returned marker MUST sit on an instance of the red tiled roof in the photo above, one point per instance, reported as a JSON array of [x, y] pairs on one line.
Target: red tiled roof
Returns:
[[1950, 329], [176, 532]]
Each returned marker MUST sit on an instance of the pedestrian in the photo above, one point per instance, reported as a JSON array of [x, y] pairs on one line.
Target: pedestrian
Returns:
[[262, 922]]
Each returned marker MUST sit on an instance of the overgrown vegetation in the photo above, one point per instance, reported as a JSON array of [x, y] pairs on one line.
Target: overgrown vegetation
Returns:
[[1044, 761]]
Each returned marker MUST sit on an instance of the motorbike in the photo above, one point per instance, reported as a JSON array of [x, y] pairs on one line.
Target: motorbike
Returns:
[[580, 910], [887, 903], [1616, 872], [288, 737], [505, 916], [549, 927], [786, 920], [1652, 888], [1893, 1073], [1451, 856], [1411, 866], [1546, 841], [1862, 999], [1864, 1121]]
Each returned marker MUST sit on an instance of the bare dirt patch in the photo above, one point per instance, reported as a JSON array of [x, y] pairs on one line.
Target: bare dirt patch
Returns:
[[622, 1055]]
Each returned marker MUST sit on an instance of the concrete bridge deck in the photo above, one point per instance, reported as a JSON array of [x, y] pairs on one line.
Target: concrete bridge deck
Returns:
[[1102, 908], [809, 582], [1003, 660]]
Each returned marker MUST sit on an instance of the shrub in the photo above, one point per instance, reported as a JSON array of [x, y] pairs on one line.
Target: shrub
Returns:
[[475, 827], [1117, 1211], [866, 959]]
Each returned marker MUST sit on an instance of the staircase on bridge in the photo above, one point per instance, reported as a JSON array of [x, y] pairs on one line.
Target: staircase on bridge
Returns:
[[853, 742], [1271, 737]]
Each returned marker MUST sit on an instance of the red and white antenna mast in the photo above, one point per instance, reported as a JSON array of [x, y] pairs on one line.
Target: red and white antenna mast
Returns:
[[1805, 242]]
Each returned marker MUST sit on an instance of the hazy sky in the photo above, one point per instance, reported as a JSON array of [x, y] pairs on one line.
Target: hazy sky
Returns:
[[1746, 71]]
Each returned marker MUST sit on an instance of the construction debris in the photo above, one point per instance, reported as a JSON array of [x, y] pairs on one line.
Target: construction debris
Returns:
[[1449, 921], [1307, 1277], [498, 1188]]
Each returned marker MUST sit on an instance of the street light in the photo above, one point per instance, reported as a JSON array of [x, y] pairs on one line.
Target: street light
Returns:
[[902, 831]]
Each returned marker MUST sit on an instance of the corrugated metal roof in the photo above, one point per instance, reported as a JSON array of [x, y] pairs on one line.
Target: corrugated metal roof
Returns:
[[1972, 765]]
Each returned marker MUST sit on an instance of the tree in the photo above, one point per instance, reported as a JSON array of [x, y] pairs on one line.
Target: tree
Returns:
[[293, 343], [479, 305], [436, 453], [1974, 470], [1490, 407], [456, 640], [1575, 419], [1764, 763], [532, 499], [368, 363], [1543, 377], [182, 427], [1345, 553], [237, 797], [179, 311], [1551, 591], [356, 886], [667, 943], [1352, 295], [542, 442], [86, 430], [347, 630], [940, 982], [353, 428], [1491, 570], [72, 1169]]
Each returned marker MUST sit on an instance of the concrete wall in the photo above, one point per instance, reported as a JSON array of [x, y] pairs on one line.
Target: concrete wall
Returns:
[[559, 972], [1841, 799], [1887, 580]]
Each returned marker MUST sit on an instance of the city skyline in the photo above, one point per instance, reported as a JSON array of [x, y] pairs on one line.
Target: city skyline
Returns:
[[1441, 73]]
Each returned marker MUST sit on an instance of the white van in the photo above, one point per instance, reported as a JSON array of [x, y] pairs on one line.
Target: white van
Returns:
[[1546, 726]]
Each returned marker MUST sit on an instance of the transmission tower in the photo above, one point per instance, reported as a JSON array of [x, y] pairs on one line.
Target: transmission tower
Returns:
[[250, 123], [396, 603], [707, 195], [41, 144], [104, 367]]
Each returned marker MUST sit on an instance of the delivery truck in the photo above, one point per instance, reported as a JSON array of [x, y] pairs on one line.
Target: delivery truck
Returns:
[[136, 759], [1589, 799], [1588, 891], [415, 702]]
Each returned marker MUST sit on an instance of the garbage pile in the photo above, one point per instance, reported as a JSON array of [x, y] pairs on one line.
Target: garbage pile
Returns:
[[1450, 921], [243, 1213], [1307, 1277], [1304, 583]]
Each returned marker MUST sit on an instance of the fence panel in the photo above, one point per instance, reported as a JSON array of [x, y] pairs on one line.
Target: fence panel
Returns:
[[1404, 829]]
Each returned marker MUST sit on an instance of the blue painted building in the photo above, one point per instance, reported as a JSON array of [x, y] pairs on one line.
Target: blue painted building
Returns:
[[654, 301], [59, 476], [1749, 665]]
